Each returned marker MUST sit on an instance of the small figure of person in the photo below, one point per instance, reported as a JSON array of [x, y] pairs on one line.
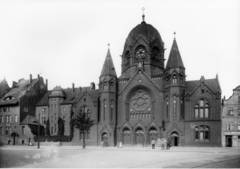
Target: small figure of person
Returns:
[[162, 143], [153, 143], [168, 143], [120, 144]]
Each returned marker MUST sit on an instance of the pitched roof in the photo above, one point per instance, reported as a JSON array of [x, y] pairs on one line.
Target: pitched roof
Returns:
[[44, 100], [108, 67], [174, 60], [212, 84], [16, 92], [70, 96]]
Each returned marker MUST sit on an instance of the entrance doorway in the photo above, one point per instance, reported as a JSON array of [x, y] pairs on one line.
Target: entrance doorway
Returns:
[[139, 136], [104, 139], [152, 133], [126, 136], [175, 138], [228, 141]]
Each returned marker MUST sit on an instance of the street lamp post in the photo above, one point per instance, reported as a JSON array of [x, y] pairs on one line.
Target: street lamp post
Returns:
[[38, 132]]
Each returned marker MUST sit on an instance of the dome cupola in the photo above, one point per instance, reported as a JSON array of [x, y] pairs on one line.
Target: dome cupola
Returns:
[[144, 44]]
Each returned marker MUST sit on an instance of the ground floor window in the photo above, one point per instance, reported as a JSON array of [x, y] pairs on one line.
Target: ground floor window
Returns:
[[202, 133]]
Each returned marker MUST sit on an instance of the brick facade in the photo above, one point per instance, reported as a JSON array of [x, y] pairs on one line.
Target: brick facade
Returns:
[[147, 101]]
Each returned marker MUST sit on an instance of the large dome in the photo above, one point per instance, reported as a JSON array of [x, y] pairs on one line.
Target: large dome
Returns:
[[143, 44], [146, 31]]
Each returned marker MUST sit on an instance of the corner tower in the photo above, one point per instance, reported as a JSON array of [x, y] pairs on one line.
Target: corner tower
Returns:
[[108, 102], [143, 47], [175, 88]]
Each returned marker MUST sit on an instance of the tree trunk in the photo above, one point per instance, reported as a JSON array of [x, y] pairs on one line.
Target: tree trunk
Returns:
[[84, 143]]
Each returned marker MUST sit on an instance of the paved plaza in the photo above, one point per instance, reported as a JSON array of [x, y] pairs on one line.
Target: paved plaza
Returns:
[[125, 157]]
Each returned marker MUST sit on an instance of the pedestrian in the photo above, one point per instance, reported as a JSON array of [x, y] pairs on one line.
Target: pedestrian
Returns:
[[153, 143], [120, 144], [168, 143]]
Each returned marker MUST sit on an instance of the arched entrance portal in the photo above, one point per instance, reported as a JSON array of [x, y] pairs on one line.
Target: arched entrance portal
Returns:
[[104, 139], [126, 136], [139, 136], [175, 138], [152, 133]]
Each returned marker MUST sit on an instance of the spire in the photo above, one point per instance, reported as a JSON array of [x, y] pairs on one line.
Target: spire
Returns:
[[143, 15], [174, 60], [108, 67]]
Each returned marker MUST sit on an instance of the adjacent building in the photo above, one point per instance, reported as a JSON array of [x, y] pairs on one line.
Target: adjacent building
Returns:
[[17, 110], [231, 120]]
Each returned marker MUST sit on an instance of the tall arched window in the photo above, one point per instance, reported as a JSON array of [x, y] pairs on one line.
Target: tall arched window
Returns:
[[202, 133], [167, 110], [174, 107], [111, 110], [174, 79], [104, 109], [201, 109]]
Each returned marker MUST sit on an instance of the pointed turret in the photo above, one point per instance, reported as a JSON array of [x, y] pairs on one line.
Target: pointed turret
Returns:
[[174, 60], [108, 100], [108, 67]]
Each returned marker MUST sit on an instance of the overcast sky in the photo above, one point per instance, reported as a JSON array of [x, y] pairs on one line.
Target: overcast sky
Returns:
[[66, 41]]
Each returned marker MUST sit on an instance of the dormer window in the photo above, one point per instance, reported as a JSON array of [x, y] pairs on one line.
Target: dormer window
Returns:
[[8, 98]]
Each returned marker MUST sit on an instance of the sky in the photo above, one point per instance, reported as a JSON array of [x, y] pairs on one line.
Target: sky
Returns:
[[66, 41]]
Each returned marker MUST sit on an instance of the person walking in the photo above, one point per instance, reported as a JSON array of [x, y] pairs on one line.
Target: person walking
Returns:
[[153, 142]]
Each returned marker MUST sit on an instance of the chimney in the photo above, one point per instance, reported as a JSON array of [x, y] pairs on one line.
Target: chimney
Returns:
[[92, 86], [38, 76], [73, 87], [14, 84], [47, 84], [30, 77]]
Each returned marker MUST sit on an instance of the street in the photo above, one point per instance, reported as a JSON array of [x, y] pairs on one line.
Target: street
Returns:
[[125, 157]]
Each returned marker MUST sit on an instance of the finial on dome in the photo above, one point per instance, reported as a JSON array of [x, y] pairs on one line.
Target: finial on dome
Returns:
[[174, 34], [143, 15]]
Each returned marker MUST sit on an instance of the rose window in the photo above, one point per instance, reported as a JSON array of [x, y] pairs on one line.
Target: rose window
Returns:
[[140, 105]]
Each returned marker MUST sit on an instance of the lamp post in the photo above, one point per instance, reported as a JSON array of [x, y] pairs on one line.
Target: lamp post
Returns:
[[38, 132]]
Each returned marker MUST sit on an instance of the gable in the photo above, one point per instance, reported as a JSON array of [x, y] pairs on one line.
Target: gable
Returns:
[[140, 79]]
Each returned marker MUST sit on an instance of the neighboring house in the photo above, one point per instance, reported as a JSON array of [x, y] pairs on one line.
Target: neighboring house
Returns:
[[17, 105], [231, 120], [58, 105]]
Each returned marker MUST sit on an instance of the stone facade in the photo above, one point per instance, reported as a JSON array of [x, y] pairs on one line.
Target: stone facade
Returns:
[[231, 120], [149, 100]]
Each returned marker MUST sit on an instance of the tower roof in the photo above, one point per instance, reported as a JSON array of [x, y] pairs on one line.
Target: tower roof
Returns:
[[143, 30], [174, 60], [108, 67]]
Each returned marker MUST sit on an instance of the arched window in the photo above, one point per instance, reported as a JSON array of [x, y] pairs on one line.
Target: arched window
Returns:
[[167, 110], [174, 79], [111, 110], [126, 59], [202, 133], [104, 109], [174, 107], [201, 109], [140, 54]]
